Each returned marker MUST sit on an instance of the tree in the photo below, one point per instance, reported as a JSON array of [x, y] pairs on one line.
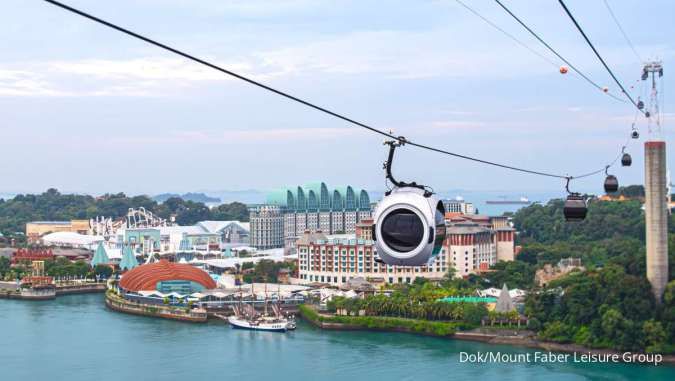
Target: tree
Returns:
[[516, 274], [104, 271], [654, 336]]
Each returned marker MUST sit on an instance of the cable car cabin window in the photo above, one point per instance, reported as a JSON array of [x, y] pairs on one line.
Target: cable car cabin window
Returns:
[[402, 230]]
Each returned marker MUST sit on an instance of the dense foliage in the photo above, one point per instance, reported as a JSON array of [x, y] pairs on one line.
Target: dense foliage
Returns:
[[416, 301], [60, 268], [438, 328], [265, 271], [54, 206], [611, 304], [606, 308]]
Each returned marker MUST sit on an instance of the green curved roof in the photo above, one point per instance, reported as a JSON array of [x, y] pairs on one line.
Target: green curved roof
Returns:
[[298, 198], [276, 197]]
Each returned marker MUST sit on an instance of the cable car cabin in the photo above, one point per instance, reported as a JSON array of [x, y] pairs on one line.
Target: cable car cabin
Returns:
[[409, 227], [575, 208], [611, 184], [626, 160], [635, 134]]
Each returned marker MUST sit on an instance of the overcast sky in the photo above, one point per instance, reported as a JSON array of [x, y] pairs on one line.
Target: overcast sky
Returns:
[[87, 109]]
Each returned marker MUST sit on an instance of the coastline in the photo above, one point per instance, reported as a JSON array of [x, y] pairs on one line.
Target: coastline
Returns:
[[50, 293], [322, 321], [118, 304]]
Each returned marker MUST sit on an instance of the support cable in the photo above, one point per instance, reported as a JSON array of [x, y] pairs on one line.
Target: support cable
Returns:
[[597, 54], [399, 139]]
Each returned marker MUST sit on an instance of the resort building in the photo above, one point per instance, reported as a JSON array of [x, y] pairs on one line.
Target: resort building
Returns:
[[336, 259], [70, 240], [477, 242], [267, 227], [288, 212], [459, 206], [173, 239], [474, 243], [232, 233], [166, 277], [36, 229]]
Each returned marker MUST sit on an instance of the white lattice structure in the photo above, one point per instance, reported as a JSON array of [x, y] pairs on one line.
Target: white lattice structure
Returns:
[[141, 218]]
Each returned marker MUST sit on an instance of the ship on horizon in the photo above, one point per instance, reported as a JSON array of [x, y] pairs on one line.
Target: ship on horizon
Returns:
[[504, 201]]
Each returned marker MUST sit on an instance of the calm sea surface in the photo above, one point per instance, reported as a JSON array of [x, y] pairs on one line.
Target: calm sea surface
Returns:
[[76, 338]]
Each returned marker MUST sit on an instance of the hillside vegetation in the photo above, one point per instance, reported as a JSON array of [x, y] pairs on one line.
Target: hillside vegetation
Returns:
[[611, 304], [54, 206]]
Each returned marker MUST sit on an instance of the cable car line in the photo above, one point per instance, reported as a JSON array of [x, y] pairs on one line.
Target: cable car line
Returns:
[[390, 135], [588, 41], [623, 32], [533, 33], [507, 34]]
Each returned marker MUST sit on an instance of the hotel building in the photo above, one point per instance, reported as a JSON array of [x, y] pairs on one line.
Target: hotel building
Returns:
[[289, 212], [473, 244]]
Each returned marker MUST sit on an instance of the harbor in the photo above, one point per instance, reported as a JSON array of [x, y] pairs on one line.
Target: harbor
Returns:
[[170, 350]]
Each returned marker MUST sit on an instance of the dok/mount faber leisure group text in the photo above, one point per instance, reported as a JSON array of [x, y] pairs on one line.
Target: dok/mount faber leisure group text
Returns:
[[550, 357]]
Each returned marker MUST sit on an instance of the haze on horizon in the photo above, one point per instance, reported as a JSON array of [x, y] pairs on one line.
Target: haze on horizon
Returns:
[[86, 109]]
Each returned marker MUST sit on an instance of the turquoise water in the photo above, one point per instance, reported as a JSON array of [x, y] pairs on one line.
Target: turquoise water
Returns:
[[76, 338]]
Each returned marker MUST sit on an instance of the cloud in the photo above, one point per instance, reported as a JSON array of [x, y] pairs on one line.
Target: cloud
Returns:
[[16, 83], [176, 69], [195, 137], [138, 77], [399, 54]]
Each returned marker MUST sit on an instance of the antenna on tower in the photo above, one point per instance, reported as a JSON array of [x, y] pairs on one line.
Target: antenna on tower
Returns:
[[653, 113]]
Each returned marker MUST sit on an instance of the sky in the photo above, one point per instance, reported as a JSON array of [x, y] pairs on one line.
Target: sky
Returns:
[[87, 109]]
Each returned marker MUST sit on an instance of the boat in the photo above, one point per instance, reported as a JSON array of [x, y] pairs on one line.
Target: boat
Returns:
[[262, 323], [246, 317], [504, 201]]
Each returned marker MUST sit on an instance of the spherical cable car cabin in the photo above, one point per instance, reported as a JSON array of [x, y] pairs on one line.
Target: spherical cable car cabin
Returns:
[[409, 227], [611, 184]]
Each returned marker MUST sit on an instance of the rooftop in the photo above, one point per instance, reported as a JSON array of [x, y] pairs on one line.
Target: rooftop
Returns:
[[145, 277]]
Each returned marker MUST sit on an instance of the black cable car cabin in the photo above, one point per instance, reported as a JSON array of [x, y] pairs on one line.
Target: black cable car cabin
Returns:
[[611, 184], [575, 208]]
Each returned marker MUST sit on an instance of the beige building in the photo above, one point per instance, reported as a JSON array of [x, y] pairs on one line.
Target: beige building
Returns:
[[36, 229], [336, 259], [472, 245]]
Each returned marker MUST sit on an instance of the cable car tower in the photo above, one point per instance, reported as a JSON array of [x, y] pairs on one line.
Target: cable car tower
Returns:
[[656, 186]]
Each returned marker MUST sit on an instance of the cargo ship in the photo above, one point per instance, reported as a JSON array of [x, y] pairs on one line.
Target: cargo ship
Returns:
[[505, 201]]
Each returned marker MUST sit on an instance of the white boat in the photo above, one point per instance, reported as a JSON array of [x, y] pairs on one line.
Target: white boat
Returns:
[[246, 317], [262, 323]]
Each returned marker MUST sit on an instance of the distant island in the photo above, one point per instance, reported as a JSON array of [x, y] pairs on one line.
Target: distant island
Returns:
[[194, 197]]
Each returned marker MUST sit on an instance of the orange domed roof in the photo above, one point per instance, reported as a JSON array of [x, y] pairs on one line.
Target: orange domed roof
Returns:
[[145, 277]]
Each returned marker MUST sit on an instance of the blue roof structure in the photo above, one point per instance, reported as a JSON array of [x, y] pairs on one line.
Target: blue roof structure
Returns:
[[100, 256], [128, 259]]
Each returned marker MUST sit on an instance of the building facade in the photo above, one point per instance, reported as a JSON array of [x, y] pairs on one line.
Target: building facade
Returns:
[[267, 227], [473, 244], [36, 229], [232, 233], [459, 206], [336, 259], [312, 207]]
